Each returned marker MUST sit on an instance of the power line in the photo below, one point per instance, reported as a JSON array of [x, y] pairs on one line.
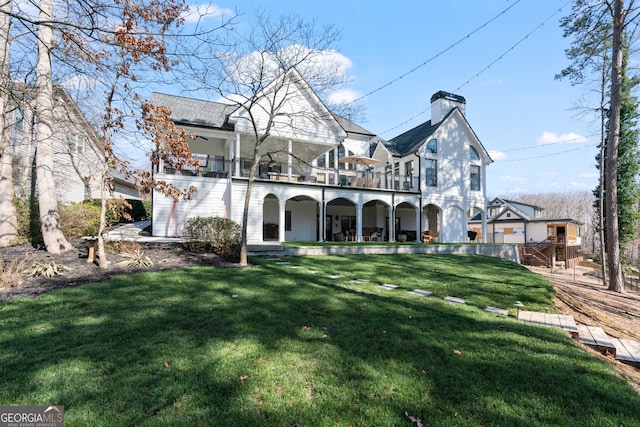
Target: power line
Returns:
[[434, 56], [579, 139], [478, 73], [546, 155]]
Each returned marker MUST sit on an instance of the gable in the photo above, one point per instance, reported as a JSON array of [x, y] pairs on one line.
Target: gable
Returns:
[[289, 109], [509, 215]]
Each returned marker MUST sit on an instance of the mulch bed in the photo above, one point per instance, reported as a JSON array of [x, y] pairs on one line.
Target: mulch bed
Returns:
[[165, 256]]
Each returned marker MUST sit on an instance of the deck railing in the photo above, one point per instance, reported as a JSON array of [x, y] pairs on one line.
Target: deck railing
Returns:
[[305, 174]]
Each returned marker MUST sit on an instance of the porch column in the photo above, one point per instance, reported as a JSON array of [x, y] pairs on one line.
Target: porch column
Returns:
[[230, 157], [289, 159], [336, 179], [359, 222], [392, 224], [321, 220], [393, 176], [282, 205], [485, 229], [236, 172], [418, 225], [484, 197]]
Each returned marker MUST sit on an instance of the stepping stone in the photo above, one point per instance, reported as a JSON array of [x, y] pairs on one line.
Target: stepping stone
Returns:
[[597, 338], [497, 310], [273, 259], [358, 281], [283, 262], [627, 351], [420, 292], [388, 287], [454, 300], [296, 266], [315, 271], [334, 276], [550, 319]]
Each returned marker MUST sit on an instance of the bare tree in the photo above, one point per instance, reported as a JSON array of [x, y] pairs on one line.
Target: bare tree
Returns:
[[54, 239], [8, 215], [261, 74]]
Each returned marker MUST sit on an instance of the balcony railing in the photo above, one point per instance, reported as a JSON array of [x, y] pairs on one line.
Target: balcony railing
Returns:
[[306, 174]]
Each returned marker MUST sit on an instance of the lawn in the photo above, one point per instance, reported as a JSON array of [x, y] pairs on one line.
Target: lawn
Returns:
[[285, 344]]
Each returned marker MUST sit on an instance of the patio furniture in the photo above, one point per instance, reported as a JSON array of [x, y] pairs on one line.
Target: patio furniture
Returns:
[[338, 237], [371, 238]]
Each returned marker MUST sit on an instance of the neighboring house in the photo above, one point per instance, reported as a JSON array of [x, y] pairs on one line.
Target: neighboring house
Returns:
[[317, 180], [542, 241], [77, 149]]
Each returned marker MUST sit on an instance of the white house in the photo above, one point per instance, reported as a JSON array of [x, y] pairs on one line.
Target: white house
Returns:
[[77, 149], [542, 240], [317, 179]]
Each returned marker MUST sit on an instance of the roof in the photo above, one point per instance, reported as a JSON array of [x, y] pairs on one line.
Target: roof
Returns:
[[195, 112], [412, 139], [351, 127]]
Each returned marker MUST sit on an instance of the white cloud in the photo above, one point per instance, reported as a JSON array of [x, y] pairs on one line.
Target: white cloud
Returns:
[[547, 174], [200, 12], [589, 175], [343, 96], [511, 178], [548, 137], [497, 155]]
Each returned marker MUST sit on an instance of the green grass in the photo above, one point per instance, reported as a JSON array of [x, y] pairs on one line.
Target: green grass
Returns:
[[274, 345]]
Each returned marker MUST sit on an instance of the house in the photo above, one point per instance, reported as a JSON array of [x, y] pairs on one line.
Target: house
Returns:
[[317, 180], [77, 149], [542, 241]]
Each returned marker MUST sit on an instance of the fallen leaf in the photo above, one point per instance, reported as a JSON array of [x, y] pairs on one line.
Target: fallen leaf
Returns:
[[324, 335], [309, 392], [306, 328], [458, 352], [416, 420], [234, 296], [243, 377], [166, 365]]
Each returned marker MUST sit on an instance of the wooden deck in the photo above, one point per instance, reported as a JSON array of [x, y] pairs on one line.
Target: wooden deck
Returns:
[[550, 319]]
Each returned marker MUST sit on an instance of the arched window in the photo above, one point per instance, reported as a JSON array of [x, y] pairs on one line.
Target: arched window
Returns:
[[473, 154], [432, 147]]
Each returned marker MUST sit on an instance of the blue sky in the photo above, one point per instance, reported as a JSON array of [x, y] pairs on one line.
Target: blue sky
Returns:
[[519, 111]]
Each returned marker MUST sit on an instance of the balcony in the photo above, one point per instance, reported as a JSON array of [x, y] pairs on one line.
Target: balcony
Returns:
[[304, 174]]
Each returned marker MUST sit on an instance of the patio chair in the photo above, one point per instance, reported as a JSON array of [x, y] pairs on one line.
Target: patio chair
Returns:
[[372, 238]]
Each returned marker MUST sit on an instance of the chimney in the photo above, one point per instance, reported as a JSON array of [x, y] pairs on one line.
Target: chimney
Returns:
[[443, 102]]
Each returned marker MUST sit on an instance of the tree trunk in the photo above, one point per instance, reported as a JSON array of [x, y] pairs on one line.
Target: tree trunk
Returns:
[[8, 215], [54, 240], [244, 261], [616, 282], [601, 204]]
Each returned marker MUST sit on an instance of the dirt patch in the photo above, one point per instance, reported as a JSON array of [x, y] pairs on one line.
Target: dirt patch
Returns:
[[590, 303], [164, 256]]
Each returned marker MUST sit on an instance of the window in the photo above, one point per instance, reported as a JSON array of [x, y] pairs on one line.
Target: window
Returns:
[[473, 154], [408, 168], [322, 161], [475, 178], [431, 173], [432, 147], [19, 118], [76, 144]]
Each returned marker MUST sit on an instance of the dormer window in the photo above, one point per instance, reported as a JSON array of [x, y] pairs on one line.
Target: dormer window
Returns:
[[473, 154]]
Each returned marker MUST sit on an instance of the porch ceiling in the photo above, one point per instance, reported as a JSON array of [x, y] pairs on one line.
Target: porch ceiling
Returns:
[[278, 149]]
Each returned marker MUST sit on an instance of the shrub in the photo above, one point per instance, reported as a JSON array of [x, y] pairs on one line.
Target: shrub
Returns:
[[221, 235], [11, 271], [46, 269], [132, 252], [79, 219]]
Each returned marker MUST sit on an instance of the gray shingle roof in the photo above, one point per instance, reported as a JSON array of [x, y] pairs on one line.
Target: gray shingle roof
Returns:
[[351, 127], [195, 112], [411, 140]]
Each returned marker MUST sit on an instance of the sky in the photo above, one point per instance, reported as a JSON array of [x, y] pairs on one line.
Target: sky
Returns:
[[529, 122]]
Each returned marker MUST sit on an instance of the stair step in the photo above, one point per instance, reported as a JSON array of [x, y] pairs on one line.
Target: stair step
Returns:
[[627, 351], [596, 337]]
